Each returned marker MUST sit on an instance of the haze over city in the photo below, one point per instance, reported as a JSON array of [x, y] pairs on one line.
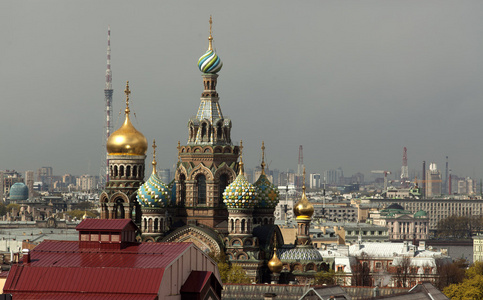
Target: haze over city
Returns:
[[353, 82]]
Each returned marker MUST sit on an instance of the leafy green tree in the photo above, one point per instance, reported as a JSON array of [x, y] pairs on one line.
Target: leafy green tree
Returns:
[[471, 287], [3, 209], [13, 206], [325, 277], [229, 273], [236, 274], [450, 273]]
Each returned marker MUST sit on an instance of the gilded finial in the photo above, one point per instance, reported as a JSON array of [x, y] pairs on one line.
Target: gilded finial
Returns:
[[210, 38], [240, 164], [263, 158], [127, 92], [154, 156], [179, 151], [303, 183]]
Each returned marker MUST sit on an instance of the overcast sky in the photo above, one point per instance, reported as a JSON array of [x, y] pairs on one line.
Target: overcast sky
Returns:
[[352, 81]]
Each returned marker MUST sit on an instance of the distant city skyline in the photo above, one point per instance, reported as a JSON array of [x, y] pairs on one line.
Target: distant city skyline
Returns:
[[352, 83]]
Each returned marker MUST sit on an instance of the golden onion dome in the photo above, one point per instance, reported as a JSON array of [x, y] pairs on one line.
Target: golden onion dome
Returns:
[[127, 140], [303, 209], [275, 265]]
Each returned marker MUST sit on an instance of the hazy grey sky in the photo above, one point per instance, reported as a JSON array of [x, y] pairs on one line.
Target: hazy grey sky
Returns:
[[352, 81]]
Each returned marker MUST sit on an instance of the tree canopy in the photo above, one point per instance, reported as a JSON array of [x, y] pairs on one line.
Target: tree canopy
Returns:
[[471, 287], [459, 227]]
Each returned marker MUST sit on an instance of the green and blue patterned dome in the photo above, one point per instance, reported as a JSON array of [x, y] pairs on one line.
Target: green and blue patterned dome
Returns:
[[154, 193], [19, 191], [268, 195], [210, 62], [240, 193]]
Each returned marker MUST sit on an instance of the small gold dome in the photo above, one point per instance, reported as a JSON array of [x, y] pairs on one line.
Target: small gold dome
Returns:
[[274, 264], [303, 209], [127, 140]]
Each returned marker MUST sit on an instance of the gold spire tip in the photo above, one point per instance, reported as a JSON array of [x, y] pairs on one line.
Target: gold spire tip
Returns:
[[242, 170], [210, 38], [263, 158], [127, 91], [154, 156]]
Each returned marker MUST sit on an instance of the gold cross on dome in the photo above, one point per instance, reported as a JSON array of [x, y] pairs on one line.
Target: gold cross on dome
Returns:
[[154, 148], [127, 92]]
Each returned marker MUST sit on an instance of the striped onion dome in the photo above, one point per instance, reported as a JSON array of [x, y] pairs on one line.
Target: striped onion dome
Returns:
[[210, 62]]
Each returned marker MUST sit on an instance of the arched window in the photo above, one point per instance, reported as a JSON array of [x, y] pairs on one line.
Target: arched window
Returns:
[[150, 225], [203, 131], [140, 170], [232, 226], [182, 189], [119, 209], [201, 184], [115, 171], [134, 171], [128, 171], [121, 171], [219, 131], [243, 226], [156, 223], [145, 227]]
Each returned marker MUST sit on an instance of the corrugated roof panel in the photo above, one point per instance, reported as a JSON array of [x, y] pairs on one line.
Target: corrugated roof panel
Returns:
[[92, 280], [79, 296], [104, 224]]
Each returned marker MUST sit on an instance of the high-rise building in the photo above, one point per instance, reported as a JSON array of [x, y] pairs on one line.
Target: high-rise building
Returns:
[[433, 181], [29, 181], [315, 181], [165, 175]]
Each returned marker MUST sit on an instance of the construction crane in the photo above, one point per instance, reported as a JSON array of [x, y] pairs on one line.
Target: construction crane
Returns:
[[385, 176]]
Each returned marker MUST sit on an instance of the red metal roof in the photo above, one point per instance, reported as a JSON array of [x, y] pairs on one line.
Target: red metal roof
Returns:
[[60, 266], [105, 224], [68, 254], [196, 281], [81, 296]]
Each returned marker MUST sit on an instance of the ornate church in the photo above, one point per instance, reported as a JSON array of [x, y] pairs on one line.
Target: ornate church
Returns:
[[210, 202]]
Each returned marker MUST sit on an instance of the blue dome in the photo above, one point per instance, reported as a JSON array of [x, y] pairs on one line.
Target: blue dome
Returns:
[[19, 191], [268, 196], [154, 193]]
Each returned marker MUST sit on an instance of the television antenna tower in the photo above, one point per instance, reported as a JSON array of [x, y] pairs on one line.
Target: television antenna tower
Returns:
[[300, 167], [104, 173], [404, 169]]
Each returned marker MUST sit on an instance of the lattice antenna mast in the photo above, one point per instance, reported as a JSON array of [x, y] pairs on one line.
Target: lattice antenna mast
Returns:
[[404, 168], [300, 167], [108, 98]]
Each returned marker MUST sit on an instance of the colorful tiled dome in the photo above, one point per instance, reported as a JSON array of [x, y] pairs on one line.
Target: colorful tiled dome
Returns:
[[240, 193], [154, 193], [268, 195]]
